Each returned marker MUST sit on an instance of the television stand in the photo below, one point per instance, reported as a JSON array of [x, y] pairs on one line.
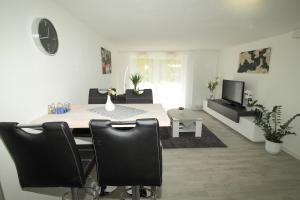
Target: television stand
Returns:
[[230, 111], [227, 103], [237, 118]]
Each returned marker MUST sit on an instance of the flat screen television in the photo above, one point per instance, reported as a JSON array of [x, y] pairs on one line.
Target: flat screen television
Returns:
[[233, 91]]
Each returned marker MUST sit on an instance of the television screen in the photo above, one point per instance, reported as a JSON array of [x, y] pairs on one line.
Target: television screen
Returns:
[[233, 91]]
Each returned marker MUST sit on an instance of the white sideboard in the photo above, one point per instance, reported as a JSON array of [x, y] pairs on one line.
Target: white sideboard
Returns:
[[246, 126]]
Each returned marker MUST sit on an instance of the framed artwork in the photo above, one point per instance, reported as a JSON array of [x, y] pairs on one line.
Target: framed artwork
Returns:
[[256, 61], [106, 61]]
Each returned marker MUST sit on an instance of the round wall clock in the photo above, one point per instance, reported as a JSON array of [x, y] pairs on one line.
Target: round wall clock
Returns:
[[45, 36]]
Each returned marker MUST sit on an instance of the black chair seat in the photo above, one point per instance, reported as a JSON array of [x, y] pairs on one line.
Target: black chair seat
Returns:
[[81, 132], [87, 157], [120, 99]]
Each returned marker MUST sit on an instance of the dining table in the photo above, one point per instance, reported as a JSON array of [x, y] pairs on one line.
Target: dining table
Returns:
[[80, 115]]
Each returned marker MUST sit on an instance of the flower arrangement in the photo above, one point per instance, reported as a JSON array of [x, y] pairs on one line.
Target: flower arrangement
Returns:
[[212, 84], [248, 95], [111, 91]]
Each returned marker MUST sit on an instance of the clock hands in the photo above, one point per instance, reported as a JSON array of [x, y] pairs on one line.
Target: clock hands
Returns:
[[49, 47], [48, 31]]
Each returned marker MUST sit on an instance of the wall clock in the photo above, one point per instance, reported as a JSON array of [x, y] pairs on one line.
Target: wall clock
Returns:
[[45, 36]]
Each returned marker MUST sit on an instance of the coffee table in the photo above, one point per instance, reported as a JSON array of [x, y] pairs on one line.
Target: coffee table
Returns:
[[185, 121]]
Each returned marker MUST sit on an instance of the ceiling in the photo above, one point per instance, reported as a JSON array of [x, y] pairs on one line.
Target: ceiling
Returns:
[[168, 25]]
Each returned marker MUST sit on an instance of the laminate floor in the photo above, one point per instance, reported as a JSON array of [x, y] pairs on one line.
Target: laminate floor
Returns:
[[243, 171]]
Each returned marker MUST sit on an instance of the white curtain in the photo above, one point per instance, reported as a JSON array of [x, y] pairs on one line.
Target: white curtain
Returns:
[[164, 73]]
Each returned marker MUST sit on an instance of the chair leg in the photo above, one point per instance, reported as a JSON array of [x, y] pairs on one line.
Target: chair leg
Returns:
[[135, 192], [74, 194], [153, 193]]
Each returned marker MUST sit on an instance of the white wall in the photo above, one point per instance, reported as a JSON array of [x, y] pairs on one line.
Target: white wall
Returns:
[[202, 67], [120, 74], [30, 80], [1, 192], [280, 86]]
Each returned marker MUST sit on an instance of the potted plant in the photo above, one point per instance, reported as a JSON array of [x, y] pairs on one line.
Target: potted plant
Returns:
[[136, 79], [271, 123], [211, 85]]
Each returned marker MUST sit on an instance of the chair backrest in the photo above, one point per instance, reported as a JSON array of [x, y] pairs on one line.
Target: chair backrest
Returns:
[[45, 159], [98, 97], [130, 156], [95, 97], [145, 97]]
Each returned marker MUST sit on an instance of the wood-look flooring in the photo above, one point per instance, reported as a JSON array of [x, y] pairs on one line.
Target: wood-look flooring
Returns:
[[242, 171]]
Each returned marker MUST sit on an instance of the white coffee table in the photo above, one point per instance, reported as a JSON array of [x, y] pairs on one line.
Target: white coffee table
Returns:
[[185, 121]]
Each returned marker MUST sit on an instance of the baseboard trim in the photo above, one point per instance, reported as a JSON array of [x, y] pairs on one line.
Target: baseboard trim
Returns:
[[290, 153], [196, 107]]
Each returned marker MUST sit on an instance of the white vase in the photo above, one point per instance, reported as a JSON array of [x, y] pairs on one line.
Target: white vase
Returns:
[[248, 108], [211, 95], [109, 106], [272, 147]]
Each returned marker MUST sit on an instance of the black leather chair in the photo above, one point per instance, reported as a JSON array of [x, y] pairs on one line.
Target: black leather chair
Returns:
[[49, 158], [128, 157], [145, 97], [120, 99], [98, 97], [95, 97]]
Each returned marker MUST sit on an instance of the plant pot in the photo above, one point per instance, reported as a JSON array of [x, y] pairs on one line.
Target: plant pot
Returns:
[[272, 147], [136, 92]]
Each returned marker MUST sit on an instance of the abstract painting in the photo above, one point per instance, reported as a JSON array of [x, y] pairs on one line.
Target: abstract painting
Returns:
[[106, 61], [256, 61]]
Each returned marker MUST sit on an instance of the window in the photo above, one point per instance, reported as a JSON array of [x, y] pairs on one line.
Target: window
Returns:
[[164, 73], [144, 65]]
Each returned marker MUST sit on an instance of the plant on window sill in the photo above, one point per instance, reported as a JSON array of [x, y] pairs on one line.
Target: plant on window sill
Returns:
[[136, 79]]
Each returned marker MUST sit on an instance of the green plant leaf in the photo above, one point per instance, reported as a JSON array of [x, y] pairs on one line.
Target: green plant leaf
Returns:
[[271, 122], [135, 79]]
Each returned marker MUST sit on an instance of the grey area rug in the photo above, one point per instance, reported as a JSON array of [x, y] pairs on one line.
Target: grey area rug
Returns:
[[188, 140]]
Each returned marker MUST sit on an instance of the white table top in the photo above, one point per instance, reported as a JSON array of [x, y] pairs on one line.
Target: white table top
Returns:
[[80, 115], [185, 114]]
